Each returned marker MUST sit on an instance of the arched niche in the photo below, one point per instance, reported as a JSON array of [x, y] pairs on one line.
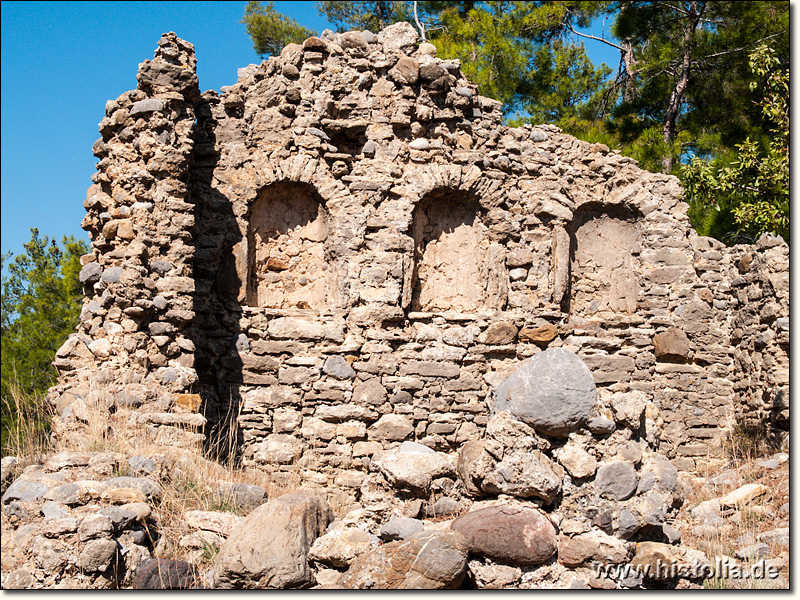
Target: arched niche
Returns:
[[604, 246], [287, 229], [452, 255]]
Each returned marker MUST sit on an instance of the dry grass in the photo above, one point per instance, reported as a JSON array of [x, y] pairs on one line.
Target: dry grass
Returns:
[[189, 475], [744, 447], [27, 433]]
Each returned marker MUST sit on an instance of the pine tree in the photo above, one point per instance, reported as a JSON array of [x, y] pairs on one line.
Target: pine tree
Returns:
[[40, 307], [270, 30]]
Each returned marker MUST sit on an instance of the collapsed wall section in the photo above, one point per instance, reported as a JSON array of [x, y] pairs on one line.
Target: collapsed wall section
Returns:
[[135, 337], [362, 252]]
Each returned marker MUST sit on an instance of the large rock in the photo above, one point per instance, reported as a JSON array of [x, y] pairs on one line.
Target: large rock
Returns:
[[473, 465], [341, 545], [655, 560], [671, 345], [405, 71], [391, 428], [428, 560], [743, 496], [400, 529], [270, 547], [591, 547], [148, 487], [616, 480], [223, 523], [510, 534], [524, 475], [413, 466], [577, 461], [97, 555], [164, 574], [25, 489], [554, 392], [400, 37]]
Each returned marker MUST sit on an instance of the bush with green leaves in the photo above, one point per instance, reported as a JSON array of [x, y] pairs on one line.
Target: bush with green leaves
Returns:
[[750, 187]]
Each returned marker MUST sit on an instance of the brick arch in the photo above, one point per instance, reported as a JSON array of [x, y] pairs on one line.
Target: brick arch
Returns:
[[301, 168], [419, 181]]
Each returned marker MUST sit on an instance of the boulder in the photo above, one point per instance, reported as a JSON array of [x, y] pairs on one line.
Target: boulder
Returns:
[[97, 555], [164, 574], [21, 579], [413, 467], [25, 489], [524, 474], [270, 547], [399, 529], [629, 408], [472, 466], [223, 523], [148, 487], [654, 560], [753, 552], [539, 335], [591, 547], [743, 496], [671, 345], [400, 37], [338, 367], [616, 480], [499, 334], [405, 71], [242, 495], [97, 526], [779, 537], [491, 576], [553, 392], [511, 534], [579, 463], [428, 560], [513, 434], [391, 428], [341, 545]]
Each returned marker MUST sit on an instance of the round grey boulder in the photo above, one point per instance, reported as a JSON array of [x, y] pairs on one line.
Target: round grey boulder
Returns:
[[616, 480], [553, 392]]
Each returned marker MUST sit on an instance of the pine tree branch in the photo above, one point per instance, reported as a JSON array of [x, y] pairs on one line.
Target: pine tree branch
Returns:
[[753, 45], [591, 37]]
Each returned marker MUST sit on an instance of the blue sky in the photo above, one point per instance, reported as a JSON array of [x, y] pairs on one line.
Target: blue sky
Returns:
[[61, 62]]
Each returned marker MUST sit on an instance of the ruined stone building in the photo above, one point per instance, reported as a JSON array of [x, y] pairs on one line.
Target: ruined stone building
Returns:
[[346, 249]]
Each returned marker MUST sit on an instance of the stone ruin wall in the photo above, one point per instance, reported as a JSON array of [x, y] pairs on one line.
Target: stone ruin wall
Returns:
[[346, 249]]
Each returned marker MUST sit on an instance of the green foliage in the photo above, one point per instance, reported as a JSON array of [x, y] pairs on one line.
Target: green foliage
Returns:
[[372, 16], [564, 85], [41, 302], [749, 188], [504, 47], [686, 70], [492, 47], [270, 30]]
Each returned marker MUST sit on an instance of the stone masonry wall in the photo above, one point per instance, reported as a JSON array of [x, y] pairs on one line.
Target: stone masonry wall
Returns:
[[346, 249]]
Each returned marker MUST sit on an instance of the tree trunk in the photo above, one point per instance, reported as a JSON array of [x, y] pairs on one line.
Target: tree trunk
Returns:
[[674, 105], [629, 91]]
